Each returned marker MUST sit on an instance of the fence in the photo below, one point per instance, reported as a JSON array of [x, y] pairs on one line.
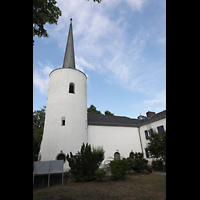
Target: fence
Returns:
[[48, 167]]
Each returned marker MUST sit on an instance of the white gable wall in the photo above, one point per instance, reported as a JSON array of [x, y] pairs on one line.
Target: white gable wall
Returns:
[[154, 126], [113, 138]]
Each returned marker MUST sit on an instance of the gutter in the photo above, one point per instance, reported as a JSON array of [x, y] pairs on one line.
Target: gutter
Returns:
[[140, 140]]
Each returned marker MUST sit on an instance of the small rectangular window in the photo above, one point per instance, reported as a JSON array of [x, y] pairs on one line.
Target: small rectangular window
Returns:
[[150, 131], [63, 121], [147, 153], [71, 88], [160, 129], [146, 134]]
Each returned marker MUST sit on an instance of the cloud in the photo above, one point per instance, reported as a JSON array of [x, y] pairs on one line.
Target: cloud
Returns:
[[41, 77], [136, 4], [162, 40], [105, 42], [157, 103], [92, 21], [126, 62], [85, 64], [41, 74]]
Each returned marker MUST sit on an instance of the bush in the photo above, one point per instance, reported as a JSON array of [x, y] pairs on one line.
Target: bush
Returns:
[[100, 174], [158, 165], [84, 163], [118, 169], [138, 164], [157, 145]]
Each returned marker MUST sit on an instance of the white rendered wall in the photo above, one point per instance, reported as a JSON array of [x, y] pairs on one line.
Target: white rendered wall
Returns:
[[154, 126], [73, 107], [112, 138]]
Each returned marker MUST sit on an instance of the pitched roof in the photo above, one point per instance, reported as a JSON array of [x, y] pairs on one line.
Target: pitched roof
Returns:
[[154, 118], [69, 60], [108, 120]]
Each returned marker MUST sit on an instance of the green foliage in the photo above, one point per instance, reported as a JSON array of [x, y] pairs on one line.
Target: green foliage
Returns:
[[158, 165], [92, 110], [118, 169], [84, 164], [38, 126], [100, 175], [138, 164], [107, 112], [157, 145], [44, 11]]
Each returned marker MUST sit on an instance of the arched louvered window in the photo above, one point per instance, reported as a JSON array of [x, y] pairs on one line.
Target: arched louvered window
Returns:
[[72, 88]]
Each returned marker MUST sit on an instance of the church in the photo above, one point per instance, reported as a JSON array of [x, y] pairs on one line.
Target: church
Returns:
[[68, 125]]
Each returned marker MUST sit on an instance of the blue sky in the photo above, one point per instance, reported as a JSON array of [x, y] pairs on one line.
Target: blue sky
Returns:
[[120, 46]]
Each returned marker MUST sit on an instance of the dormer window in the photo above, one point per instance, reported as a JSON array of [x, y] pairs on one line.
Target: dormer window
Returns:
[[141, 117], [72, 88]]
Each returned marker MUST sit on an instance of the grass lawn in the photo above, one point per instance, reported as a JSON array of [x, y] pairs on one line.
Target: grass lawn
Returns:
[[141, 187]]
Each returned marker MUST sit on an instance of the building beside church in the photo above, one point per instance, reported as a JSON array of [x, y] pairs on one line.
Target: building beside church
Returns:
[[68, 125]]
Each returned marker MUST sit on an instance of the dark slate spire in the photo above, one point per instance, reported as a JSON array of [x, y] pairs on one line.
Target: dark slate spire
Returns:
[[69, 60]]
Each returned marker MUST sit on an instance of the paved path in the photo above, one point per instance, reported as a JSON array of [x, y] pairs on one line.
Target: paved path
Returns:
[[155, 172]]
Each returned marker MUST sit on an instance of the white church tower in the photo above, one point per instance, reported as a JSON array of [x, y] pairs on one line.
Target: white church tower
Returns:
[[65, 127]]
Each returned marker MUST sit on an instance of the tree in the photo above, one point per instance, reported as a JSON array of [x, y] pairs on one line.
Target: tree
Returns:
[[92, 110], [157, 145], [107, 112], [44, 11], [38, 126], [84, 164]]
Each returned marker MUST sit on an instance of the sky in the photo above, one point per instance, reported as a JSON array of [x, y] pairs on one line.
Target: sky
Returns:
[[119, 45]]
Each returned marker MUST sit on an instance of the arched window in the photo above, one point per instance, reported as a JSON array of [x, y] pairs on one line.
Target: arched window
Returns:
[[61, 156], [72, 88], [131, 155], [116, 156]]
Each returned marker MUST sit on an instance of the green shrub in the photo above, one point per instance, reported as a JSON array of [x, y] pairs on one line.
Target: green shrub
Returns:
[[100, 174], [158, 165], [84, 163], [138, 164], [118, 169]]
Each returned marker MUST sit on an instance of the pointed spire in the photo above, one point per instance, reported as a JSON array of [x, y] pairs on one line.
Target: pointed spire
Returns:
[[69, 60]]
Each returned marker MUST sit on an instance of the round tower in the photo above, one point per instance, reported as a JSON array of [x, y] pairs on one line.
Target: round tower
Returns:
[[65, 127]]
